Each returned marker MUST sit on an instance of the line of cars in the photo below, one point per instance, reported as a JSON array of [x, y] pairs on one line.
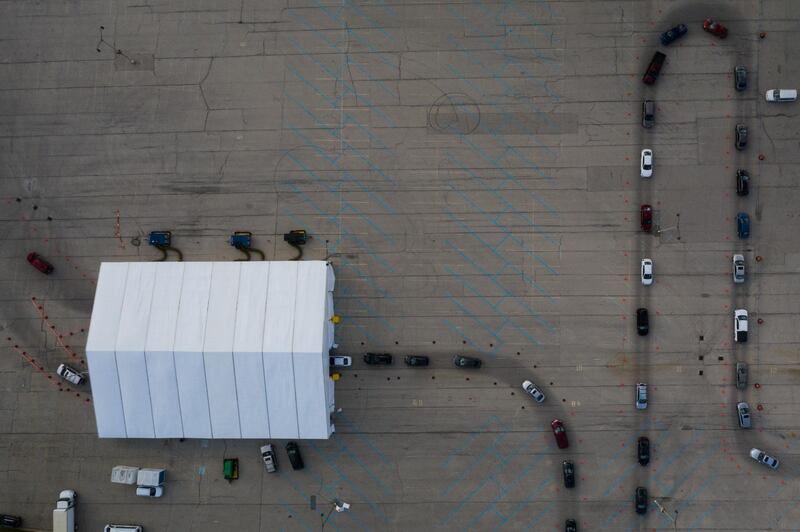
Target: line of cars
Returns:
[[742, 230]]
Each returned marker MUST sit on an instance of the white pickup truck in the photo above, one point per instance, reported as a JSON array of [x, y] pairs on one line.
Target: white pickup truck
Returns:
[[64, 513]]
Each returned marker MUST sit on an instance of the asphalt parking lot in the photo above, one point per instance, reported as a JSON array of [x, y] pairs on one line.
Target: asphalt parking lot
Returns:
[[471, 170]]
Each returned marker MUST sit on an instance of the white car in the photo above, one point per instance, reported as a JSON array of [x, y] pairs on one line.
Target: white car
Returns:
[[122, 528], [150, 491], [533, 391], [781, 95], [341, 362], [738, 269], [641, 396], [70, 374], [740, 325], [269, 458], [647, 272], [760, 456], [646, 163]]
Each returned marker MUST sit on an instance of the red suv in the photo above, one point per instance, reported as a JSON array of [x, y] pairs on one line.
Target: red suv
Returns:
[[560, 433], [39, 263], [715, 28], [646, 217]]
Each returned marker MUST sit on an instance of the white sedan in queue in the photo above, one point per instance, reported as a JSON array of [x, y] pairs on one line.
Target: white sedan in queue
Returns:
[[647, 272], [646, 163], [531, 389]]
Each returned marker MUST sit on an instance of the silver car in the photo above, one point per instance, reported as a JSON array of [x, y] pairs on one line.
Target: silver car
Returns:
[[533, 391], [738, 269], [741, 375], [269, 458], [743, 411], [762, 457], [641, 396]]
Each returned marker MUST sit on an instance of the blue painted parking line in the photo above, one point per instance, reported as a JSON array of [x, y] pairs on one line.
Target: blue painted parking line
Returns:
[[674, 456], [353, 486], [347, 452], [526, 501], [495, 192], [481, 429], [491, 449], [472, 316], [700, 518], [525, 277], [345, 263], [620, 479], [472, 343], [341, 416], [508, 232], [692, 469], [297, 519], [538, 517]]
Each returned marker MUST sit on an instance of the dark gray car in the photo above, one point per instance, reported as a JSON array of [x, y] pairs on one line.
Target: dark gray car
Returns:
[[740, 78], [741, 136], [648, 113], [741, 375], [743, 411]]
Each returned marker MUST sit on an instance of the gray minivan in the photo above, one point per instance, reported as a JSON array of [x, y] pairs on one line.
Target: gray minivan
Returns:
[[648, 113]]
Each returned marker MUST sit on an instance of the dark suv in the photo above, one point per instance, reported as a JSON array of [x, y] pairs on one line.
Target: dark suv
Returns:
[[416, 360], [740, 78], [642, 322], [674, 34], [648, 113], [466, 362], [569, 474], [293, 451], [741, 136], [641, 500], [654, 68], [643, 450], [742, 183], [378, 359]]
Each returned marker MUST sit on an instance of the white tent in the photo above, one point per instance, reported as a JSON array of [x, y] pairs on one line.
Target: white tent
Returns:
[[212, 350]]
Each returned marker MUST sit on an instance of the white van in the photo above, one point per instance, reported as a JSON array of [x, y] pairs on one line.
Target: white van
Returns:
[[781, 95], [122, 528]]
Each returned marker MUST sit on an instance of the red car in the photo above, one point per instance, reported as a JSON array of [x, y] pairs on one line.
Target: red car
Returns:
[[715, 28], [646, 216], [560, 433], [39, 263]]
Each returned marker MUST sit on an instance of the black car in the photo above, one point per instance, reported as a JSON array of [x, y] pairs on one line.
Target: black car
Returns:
[[673, 34], [741, 136], [740, 78], [742, 183], [569, 474], [648, 113], [378, 359], [570, 526], [293, 451], [642, 321], [654, 68], [641, 500], [643, 450], [466, 362], [10, 521], [416, 360]]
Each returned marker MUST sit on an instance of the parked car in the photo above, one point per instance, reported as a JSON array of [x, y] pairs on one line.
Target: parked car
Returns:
[[743, 411], [642, 322], [340, 361], [466, 362], [743, 225], [641, 396], [150, 491], [416, 360], [648, 113], [673, 34], [10, 521], [568, 469], [715, 28], [781, 95], [742, 183], [269, 458], [293, 451], [122, 528], [560, 433], [739, 78], [39, 263], [646, 218], [643, 450], [646, 163], [70, 374], [654, 68], [531, 389], [570, 525], [738, 269], [640, 500], [647, 272], [760, 456], [741, 136], [378, 359], [741, 375], [740, 325]]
